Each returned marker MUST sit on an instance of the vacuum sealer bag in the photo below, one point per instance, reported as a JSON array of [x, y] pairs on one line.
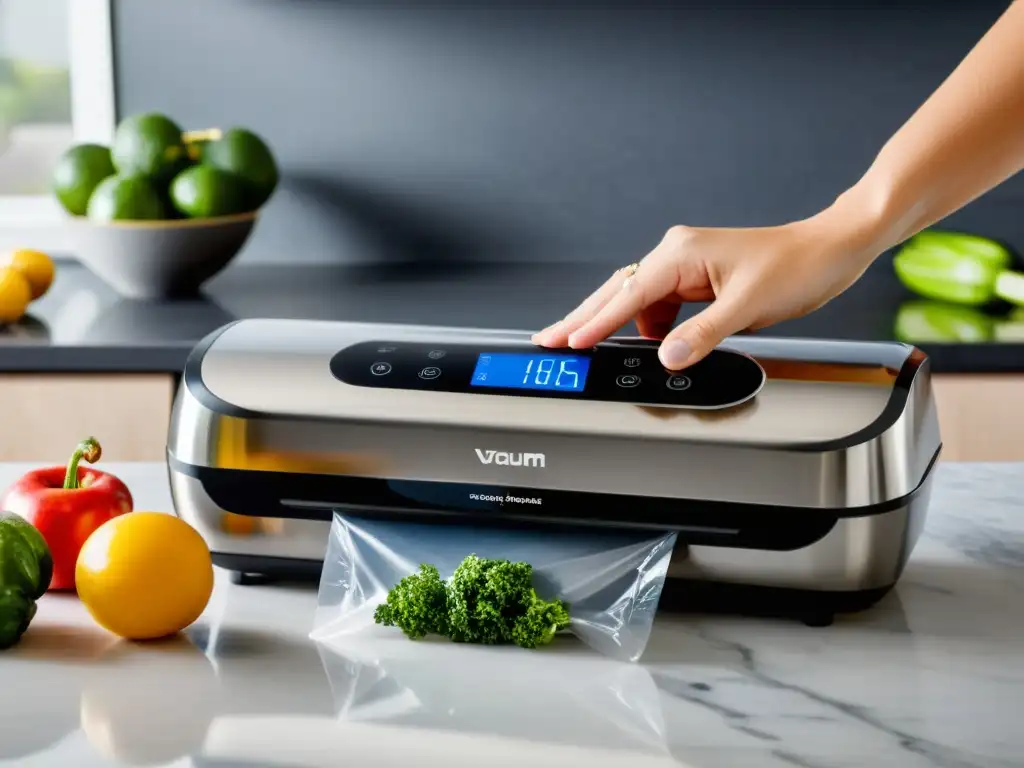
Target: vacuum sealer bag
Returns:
[[590, 701], [610, 580]]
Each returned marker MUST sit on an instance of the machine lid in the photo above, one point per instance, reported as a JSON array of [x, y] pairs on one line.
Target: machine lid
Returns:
[[798, 393]]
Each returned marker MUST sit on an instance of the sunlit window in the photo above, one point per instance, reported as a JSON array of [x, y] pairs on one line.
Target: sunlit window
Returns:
[[56, 89], [35, 93]]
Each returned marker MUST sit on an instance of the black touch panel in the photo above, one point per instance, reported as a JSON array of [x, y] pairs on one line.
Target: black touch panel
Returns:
[[611, 372]]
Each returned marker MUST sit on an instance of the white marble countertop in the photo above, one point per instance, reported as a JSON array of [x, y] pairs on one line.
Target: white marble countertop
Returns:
[[932, 676]]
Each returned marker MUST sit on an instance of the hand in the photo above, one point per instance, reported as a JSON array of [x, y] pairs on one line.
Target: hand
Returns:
[[964, 140], [752, 277]]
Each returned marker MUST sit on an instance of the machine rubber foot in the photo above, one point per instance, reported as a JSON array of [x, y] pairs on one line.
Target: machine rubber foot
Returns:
[[245, 579], [820, 620]]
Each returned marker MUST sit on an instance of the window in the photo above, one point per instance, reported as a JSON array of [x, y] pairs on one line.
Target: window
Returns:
[[56, 88]]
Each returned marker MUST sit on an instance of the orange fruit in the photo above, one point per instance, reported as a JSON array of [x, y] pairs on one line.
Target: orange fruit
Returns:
[[15, 295], [35, 266], [145, 575]]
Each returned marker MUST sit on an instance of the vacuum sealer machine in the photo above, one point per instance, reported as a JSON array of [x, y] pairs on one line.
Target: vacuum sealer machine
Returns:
[[788, 464]]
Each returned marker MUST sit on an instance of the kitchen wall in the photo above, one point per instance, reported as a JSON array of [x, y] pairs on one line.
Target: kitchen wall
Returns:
[[515, 129]]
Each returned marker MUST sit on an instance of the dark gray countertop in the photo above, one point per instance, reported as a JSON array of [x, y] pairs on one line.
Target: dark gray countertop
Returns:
[[81, 325]]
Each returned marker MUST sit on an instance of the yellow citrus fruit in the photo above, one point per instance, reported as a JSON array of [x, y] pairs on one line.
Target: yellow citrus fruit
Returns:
[[144, 575], [35, 266], [15, 295]]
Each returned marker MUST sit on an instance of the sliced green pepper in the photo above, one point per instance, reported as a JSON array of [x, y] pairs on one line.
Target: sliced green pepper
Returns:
[[931, 321], [1011, 328], [1009, 287], [982, 248], [960, 269]]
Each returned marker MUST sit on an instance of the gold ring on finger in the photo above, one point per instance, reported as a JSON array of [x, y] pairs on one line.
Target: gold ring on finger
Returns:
[[630, 271]]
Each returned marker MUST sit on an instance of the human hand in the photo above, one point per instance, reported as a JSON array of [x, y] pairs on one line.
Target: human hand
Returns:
[[752, 277]]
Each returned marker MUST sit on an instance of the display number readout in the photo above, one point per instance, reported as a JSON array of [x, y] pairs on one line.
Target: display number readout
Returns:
[[565, 376], [567, 373]]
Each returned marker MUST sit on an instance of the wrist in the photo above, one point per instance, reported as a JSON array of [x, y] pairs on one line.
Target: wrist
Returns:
[[861, 224]]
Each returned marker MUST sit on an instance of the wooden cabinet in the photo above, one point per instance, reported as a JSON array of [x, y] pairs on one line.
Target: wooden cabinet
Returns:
[[44, 415], [981, 416]]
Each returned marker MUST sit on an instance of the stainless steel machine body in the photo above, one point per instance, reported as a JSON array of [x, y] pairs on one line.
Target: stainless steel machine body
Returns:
[[788, 463]]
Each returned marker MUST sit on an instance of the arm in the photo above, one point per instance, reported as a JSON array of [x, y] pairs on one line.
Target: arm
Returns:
[[965, 139]]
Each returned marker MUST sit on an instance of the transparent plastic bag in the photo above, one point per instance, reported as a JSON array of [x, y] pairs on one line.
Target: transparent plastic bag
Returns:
[[555, 700], [611, 580], [401, 703]]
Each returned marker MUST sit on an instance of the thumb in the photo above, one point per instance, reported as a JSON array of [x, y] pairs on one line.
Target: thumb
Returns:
[[694, 338]]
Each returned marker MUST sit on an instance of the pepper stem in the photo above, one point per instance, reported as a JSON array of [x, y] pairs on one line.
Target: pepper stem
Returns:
[[88, 449]]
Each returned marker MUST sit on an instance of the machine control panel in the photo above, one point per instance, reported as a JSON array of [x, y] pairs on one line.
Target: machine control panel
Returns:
[[622, 372]]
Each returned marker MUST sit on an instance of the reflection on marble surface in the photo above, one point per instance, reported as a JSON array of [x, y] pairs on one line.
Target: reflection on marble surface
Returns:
[[933, 677], [28, 330], [89, 315], [581, 699], [159, 322]]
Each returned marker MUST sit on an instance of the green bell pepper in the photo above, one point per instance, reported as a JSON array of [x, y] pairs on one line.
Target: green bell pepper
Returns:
[[958, 268], [931, 321], [26, 567]]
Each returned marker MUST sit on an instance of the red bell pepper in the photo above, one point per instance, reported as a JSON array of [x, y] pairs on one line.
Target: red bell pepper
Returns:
[[66, 504]]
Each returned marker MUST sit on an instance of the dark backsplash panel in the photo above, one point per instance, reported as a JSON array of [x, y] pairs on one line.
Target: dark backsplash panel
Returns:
[[513, 129]]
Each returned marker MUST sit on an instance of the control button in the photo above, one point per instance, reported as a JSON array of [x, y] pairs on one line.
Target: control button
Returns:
[[380, 369], [678, 383], [430, 372], [628, 380], [632, 362], [385, 350], [436, 354]]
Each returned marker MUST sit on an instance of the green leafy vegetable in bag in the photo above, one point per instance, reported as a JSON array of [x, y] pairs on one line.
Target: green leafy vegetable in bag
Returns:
[[486, 601], [418, 605], [26, 568]]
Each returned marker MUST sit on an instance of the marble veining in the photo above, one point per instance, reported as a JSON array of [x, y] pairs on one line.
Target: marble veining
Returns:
[[931, 677]]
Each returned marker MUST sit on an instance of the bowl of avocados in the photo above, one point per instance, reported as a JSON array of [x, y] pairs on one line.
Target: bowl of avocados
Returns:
[[162, 210]]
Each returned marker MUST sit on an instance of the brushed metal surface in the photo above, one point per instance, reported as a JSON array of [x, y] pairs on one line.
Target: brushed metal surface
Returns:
[[857, 554], [806, 440], [831, 428]]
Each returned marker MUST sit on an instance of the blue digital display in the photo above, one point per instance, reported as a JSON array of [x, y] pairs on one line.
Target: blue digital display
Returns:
[[511, 370]]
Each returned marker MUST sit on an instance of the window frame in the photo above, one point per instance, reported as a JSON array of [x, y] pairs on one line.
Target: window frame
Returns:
[[38, 221]]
